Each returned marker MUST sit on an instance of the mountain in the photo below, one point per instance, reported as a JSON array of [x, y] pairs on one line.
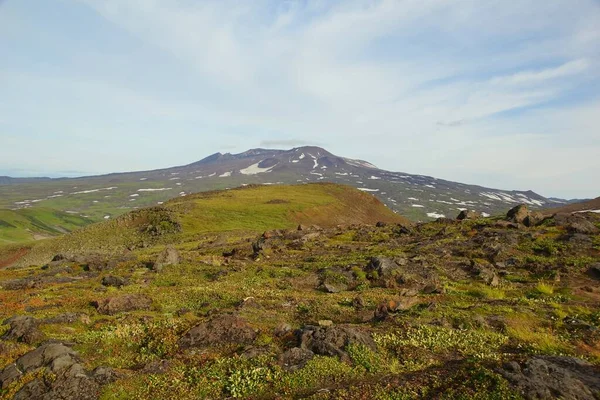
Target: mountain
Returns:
[[417, 197]]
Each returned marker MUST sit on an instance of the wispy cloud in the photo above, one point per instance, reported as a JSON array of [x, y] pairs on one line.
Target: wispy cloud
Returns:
[[399, 83], [287, 143]]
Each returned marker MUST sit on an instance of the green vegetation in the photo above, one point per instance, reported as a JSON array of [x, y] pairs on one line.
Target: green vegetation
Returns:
[[37, 223], [429, 321]]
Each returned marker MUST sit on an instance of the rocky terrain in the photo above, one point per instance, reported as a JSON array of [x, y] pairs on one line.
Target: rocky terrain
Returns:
[[417, 197], [311, 291]]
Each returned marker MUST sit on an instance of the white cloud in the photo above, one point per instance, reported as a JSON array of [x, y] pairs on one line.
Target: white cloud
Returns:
[[412, 85]]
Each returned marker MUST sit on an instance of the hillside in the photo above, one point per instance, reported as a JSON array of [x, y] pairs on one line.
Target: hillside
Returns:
[[584, 206], [248, 209], [221, 295], [418, 197], [37, 223]]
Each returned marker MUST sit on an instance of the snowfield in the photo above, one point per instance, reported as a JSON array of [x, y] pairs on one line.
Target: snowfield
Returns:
[[255, 169]]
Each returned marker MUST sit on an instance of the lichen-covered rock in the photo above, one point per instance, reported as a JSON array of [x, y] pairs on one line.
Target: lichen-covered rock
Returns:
[[169, 256], [127, 302], [71, 381], [23, 329], [295, 358], [221, 329], [333, 340], [554, 378], [114, 281], [518, 213]]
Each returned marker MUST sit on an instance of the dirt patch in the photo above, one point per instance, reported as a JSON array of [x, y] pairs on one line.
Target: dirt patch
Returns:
[[278, 201], [13, 258]]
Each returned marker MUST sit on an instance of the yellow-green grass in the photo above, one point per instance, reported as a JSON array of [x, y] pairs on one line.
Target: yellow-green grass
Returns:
[[247, 209], [17, 226]]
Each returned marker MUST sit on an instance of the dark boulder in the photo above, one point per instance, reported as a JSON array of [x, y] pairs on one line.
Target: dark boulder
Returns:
[[114, 281], [333, 340], [23, 329], [554, 377], [71, 381], [65, 318], [359, 303], [594, 271], [402, 230], [486, 272], [384, 266], [518, 214], [576, 223], [59, 257], [467, 214], [533, 218], [295, 358], [221, 329]]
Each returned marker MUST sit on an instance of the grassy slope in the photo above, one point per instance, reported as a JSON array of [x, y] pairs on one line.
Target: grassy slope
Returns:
[[251, 209], [29, 224], [446, 347]]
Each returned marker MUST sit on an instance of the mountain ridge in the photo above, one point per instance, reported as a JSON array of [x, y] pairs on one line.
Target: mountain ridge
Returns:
[[419, 197]]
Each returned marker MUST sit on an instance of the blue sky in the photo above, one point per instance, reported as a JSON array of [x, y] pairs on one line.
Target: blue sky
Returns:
[[502, 94]]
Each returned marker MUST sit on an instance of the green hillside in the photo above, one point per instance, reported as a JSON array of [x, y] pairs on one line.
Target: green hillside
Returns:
[[249, 209], [37, 223], [218, 296]]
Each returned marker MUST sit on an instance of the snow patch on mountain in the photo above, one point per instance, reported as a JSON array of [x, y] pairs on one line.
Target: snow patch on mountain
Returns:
[[360, 163], [435, 215], [255, 169]]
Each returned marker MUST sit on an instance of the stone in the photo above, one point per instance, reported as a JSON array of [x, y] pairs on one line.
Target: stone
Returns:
[[282, 329], [127, 302], [594, 271], [23, 329], [576, 223], [114, 281], [533, 218], [9, 375], [381, 313], [65, 318], [333, 340], [468, 214], [384, 266], [169, 256], [518, 214], [432, 288], [554, 377], [295, 358], [358, 303], [333, 287], [156, 367], [71, 381], [221, 329], [403, 230], [486, 273]]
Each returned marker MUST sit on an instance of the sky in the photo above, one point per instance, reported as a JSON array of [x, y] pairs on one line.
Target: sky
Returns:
[[504, 94]]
